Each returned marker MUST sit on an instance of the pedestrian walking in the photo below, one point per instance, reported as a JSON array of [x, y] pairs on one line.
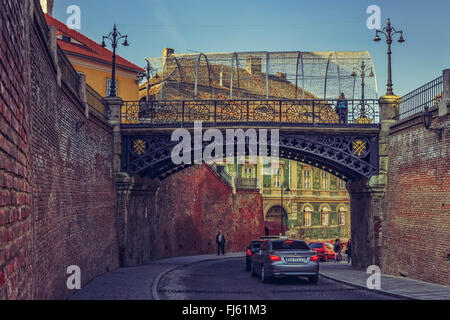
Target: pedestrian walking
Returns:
[[220, 240], [342, 108], [348, 251], [337, 250]]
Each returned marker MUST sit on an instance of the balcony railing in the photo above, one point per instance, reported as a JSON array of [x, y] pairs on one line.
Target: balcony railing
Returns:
[[414, 102], [247, 183], [183, 113]]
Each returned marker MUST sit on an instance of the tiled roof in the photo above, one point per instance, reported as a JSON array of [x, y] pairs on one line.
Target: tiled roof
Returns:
[[87, 47]]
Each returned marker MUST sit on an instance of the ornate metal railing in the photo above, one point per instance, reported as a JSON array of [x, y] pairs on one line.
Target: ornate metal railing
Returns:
[[68, 74], [247, 183], [414, 102], [249, 112], [96, 102]]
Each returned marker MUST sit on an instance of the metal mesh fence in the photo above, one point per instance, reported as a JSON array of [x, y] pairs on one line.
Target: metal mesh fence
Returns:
[[263, 75]]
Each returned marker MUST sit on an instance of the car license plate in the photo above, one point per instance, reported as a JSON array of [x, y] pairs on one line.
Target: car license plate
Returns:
[[296, 260]]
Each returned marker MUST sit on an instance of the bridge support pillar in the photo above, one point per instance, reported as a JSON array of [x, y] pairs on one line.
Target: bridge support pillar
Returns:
[[124, 185], [136, 215], [114, 111], [445, 102], [367, 196], [366, 206]]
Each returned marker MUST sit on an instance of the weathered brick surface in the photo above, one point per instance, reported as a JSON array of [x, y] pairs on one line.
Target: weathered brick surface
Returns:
[[182, 216], [15, 190], [57, 197], [73, 192], [416, 226]]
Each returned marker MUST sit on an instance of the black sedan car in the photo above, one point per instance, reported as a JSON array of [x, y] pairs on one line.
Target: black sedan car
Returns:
[[285, 258], [251, 250]]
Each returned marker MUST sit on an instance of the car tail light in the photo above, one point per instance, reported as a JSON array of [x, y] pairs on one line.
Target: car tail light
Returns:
[[275, 258], [314, 258], [249, 252], [289, 241]]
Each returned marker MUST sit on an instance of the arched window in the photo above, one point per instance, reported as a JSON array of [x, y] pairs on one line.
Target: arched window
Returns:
[[307, 216], [342, 212], [325, 216]]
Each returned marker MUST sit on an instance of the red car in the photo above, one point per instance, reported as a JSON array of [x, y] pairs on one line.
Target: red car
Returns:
[[324, 250]]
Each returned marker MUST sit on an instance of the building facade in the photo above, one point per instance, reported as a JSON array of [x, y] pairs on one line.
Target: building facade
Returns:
[[314, 205], [95, 62]]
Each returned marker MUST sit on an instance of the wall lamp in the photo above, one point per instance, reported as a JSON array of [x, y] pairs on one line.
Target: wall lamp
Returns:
[[427, 118]]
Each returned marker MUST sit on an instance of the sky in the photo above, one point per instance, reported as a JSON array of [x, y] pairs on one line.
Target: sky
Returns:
[[282, 25]]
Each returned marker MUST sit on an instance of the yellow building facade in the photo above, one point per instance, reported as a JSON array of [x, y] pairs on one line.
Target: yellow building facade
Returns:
[[315, 204], [95, 62]]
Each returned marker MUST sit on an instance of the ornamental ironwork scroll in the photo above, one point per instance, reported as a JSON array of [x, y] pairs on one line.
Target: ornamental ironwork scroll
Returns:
[[347, 156]]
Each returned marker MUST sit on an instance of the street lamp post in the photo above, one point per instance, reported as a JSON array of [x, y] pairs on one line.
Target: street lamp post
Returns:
[[114, 37], [389, 32], [148, 74], [362, 73]]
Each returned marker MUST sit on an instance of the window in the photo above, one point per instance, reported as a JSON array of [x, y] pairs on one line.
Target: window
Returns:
[[108, 86], [341, 184], [65, 38], [341, 216], [248, 172], [325, 217], [307, 179], [307, 217], [316, 245], [289, 245], [324, 180], [276, 178]]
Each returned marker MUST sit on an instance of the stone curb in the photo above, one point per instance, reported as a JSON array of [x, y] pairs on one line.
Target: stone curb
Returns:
[[355, 285], [155, 283]]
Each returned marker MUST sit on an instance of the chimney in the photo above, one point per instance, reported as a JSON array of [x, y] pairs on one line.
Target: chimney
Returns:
[[47, 6], [166, 53], [254, 65], [282, 75], [221, 78]]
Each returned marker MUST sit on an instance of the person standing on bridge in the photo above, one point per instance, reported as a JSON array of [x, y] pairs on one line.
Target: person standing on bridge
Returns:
[[220, 240], [342, 108]]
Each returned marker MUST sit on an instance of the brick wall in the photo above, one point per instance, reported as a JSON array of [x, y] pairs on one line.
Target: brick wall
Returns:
[[15, 190], [416, 226], [57, 197], [73, 190], [182, 215]]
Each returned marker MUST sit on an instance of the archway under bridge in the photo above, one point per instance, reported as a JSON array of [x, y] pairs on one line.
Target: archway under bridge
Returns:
[[352, 155]]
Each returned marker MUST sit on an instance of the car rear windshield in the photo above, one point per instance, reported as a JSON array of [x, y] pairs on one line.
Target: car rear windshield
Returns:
[[289, 245], [315, 245], [255, 244]]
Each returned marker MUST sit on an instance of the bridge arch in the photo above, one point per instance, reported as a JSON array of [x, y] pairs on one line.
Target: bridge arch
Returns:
[[347, 157]]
